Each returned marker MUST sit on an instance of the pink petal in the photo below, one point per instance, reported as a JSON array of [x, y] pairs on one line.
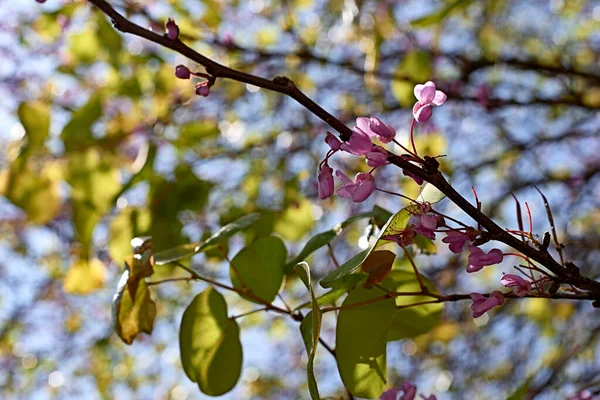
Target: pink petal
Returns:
[[363, 191], [422, 113], [362, 123], [427, 94], [440, 98], [417, 90], [342, 177]]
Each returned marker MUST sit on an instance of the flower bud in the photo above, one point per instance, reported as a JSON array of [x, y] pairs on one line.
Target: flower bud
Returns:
[[172, 29], [203, 89], [182, 72]]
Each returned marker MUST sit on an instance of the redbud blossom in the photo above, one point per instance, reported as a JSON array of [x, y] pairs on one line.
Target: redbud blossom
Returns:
[[431, 397], [481, 304], [333, 142], [427, 96], [403, 238], [359, 143], [203, 89], [374, 127], [424, 225], [172, 29], [325, 182], [456, 241], [41, 1], [519, 286], [182, 72], [478, 259], [377, 157], [359, 189]]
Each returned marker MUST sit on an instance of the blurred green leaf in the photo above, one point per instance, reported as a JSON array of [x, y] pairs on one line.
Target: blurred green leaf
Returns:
[[310, 329], [35, 117], [129, 223], [211, 351], [438, 16], [186, 250], [260, 267], [84, 277], [416, 67], [77, 134], [296, 220]]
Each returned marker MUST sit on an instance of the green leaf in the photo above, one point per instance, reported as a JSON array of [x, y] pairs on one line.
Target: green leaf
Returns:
[[35, 117], [425, 245], [440, 15], [77, 134], [345, 269], [313, 244], [522, 390], [84, 46], [209, 342], [168, 199], [363, 331], [192, 133], [361, 343], [411, 321], [396, 224], [186, 250], [338, 289], [381, 215], [322, 239], [133, 309], [260, 267], [429, 193], [310, 329], [416, 67]]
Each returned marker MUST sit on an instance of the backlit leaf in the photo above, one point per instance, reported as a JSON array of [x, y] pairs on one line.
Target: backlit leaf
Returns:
[[260, 267], [133, 309], [84, 277], [209, 342], [310, 328]]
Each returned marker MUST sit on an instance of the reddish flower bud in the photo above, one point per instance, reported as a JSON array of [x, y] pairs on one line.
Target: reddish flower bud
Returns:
[[182, 72], [172, 29], [481, 305], [325, 182], [203, 89], [333, 142]]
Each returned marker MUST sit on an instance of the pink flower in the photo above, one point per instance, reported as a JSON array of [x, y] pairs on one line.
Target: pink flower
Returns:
[[325, 184], [415, 178], [333, 142], [203, 89], [456, 241], [519, 286], [478, 259], [359, 189], [182, 72], [172, 29], [377, 157], [431, 397], [427, 96], [409, 391], [424, 225], [375, 127], [359, 143], [481, 304]]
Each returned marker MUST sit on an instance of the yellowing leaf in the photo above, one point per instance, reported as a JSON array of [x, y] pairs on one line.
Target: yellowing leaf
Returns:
[[133, 309], [85, 277]]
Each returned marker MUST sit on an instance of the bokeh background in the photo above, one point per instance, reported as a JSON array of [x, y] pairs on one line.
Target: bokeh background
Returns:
[[117, 147]]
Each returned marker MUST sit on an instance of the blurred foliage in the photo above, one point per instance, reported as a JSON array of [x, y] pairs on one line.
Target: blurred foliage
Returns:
[[102, 144]]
